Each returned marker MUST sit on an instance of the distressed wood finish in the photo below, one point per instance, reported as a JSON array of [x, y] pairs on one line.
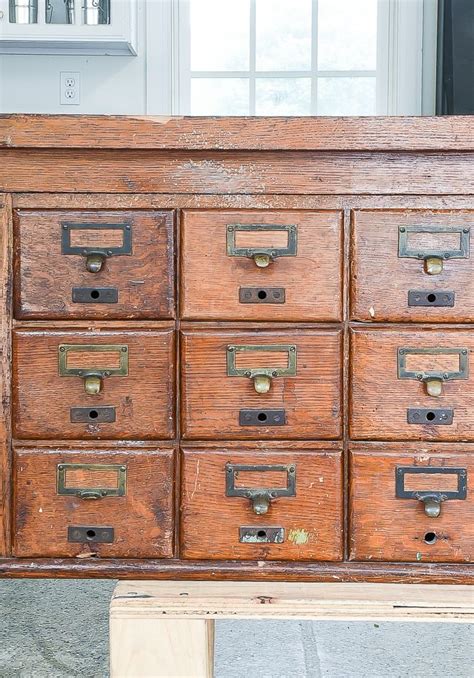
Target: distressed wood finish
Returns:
[[382, 279], [6, 246], [312, 520], [350, 182], [385, 527], [238, 133], [299, 173], [211, 280], [44, 276], [379, 399], [142, 519], [211, 400], [144, 400]]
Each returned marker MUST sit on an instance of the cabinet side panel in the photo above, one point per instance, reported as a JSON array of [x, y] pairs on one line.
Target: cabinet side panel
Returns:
[[5, 375]]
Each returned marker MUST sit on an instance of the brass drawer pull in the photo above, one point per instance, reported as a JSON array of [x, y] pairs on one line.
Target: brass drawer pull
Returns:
[[262, 256], [261, 497], [96, 256], [261, 376], [433, 258], [433, 379], [93, 376], [113, 482], [431, 499]]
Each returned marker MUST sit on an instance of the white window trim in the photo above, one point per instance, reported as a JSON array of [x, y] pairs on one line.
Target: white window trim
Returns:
[[406, 71]]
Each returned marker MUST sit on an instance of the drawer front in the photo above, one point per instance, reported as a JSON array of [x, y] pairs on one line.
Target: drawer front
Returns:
[[83, 503], [412, 507], [262, 265], [412, 385], [94, 264], [261, 384], [413, 265], [249, 505], [97, 384]]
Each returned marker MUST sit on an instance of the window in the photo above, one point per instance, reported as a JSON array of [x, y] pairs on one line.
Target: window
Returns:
[[281, 57]]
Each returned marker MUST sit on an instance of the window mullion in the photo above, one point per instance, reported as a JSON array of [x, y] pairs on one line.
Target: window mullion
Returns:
[[314, 57], [252, 56]]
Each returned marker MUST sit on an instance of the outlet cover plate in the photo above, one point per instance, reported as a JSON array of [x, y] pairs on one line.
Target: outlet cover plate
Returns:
[[70, 88]]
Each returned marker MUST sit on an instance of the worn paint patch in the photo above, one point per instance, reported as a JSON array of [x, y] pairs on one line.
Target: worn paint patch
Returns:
[[298, 537]]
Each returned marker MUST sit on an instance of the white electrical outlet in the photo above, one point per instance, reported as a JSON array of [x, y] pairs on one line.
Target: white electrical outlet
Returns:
[[70, 88]]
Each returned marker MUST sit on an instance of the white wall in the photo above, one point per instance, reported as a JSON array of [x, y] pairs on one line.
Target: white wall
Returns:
[[109, 84], [143, 84]]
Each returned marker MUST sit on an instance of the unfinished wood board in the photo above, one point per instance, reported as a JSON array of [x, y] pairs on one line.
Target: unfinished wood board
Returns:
[[247, 600]]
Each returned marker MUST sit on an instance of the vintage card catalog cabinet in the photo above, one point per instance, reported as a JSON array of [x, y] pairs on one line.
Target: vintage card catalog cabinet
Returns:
[[237, 348]]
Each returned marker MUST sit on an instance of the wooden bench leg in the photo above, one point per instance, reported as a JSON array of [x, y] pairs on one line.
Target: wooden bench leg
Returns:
[[161, 647]]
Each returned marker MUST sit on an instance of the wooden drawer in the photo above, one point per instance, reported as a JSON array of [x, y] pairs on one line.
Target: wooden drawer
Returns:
[[392, 256], [302, 522], [221, 279], [136, 397], [55, 249], [389, 522], [56, 515], [224, 382], [396, 376]]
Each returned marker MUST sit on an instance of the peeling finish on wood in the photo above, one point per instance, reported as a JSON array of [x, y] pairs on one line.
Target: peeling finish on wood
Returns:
[[6, 247], [326, 173], [239, 133], [370, 173]]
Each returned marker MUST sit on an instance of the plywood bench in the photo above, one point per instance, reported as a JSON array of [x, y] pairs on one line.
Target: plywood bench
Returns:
[[167, 628]]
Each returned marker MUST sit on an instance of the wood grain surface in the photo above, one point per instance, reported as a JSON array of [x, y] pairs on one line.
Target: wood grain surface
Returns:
[[299, 173], [312, 519], [357, 177], [142, 519], [6, 247], [144, 400], [242, 570], [379, 399], [211, 400], [44, 276], [385, 527], [210, 279], [382, 279], [244, 133], [269, 201]]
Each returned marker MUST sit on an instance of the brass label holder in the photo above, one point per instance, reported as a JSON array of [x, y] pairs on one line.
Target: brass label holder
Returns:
[[93, 377], [433, 258], [433, 379], [262, 256], [261, 376], [431, 499], [261, 497], [96, 256], [96, 492]]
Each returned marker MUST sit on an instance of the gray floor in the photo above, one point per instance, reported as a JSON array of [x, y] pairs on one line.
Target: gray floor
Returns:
[[58, 629]]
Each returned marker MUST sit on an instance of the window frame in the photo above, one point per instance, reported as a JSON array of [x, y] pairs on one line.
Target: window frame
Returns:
[[404, 69]]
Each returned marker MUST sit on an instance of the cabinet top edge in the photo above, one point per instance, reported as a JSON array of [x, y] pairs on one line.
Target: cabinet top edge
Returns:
[[443, 133]]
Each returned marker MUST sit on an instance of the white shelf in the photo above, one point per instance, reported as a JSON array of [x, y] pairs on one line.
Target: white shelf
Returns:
[[117, 38]]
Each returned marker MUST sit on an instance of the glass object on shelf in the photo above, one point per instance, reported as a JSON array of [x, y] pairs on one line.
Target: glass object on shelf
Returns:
[[96, 12], [60, 12], [220, 35], [283, 35], [23, 11], [219, 96], [347, 96], [283, 96]]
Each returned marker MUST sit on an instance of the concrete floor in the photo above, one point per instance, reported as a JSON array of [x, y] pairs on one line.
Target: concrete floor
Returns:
[[58, 629]]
